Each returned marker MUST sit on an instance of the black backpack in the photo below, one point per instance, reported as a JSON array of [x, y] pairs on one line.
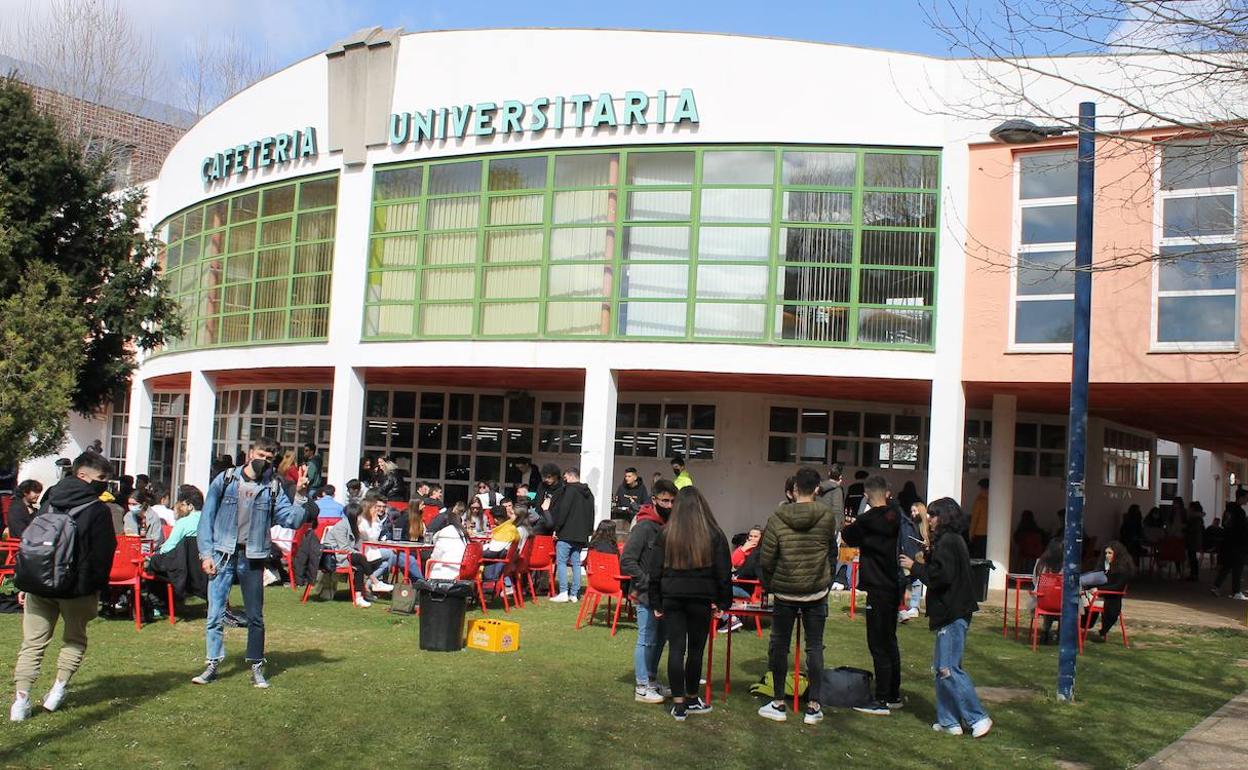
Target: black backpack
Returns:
[[50, 558]]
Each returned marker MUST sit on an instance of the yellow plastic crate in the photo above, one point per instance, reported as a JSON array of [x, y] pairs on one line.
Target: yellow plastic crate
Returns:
[[494, 635]]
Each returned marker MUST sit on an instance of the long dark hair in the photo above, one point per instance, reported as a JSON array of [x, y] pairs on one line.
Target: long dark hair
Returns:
[[689, 536], [1123, 563], [605, 533], [351, 513], [951, 516]]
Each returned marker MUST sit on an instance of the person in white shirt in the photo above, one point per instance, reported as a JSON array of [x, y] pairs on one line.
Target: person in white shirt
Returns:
[[448, 548], [488, 495]]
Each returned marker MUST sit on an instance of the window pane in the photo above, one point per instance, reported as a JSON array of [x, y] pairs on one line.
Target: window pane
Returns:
[[895, 327], [883, 247], [517, 209], [656, 243], [1191, 166], [1049, 224], [816, 421], [397, 183], [514, 246], [1026, 434], [652, 319], [813, 323], [582, 243], [732, 282], [818, 207], [1196, 319], [388, 219], [781, 449], [738, 167], [318, 193], [660, 168], [1046, 272], [736, 205], [586, 170], [703, 417], [727, 320], [508, 282], [578, 318], [518, 173], [1044, 321], [1190, 268], [1053, 437], [783, 419], [1203, 215], [822, 169], [439, 320], [584, 207], [453, 213], [388, 320], [883, 209], [655, 281], [815, 284], [895, 287], [734, 243], [451, 249], [659, 205], [447, 284], [1047, 174], [809, 244], [276, 200], [447, 178], [509, 318], [580, 281], [897, 170]]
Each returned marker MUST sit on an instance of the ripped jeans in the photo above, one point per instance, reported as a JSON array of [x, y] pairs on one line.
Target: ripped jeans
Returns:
[[956, 701]]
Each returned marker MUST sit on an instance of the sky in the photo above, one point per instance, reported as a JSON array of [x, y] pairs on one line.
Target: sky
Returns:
[[289, 30]]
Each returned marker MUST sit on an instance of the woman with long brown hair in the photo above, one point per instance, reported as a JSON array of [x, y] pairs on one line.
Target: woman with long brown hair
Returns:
[[689, 569]]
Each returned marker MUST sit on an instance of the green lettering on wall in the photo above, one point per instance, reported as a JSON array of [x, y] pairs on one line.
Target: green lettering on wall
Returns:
[[604, 112], [459, 120], [578, 109], [539, 114], [400, 125], [510, 118]]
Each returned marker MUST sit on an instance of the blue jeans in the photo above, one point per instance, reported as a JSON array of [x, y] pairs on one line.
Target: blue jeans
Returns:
[[650, 641], [568, 554], [956, 701], [250, 574], [916, 594], [740, 593], [393, 558]]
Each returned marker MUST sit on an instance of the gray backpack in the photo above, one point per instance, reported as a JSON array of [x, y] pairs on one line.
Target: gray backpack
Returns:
[[50, 559]]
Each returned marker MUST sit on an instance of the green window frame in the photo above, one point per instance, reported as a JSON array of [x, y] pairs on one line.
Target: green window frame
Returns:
[[790, 245], [254, 266]]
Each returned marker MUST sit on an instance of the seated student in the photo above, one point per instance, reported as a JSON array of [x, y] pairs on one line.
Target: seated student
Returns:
[[1119, 568], [449, 543], [327, 507], [354, 492], [512, 528], [603, 540], [744, 567], [186, 510], [442, 519], [371, 523], [478, 521], [24, 507], [145, 520], [344, 536], [432, 505], [1050, 561]]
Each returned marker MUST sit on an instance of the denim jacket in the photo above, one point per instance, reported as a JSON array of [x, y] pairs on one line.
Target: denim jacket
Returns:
[[218, 524]]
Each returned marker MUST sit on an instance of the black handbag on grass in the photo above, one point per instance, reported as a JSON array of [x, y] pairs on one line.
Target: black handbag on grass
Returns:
[[846, 687]]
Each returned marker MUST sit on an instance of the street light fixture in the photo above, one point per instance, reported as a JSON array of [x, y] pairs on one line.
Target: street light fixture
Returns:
[[1026, 132]]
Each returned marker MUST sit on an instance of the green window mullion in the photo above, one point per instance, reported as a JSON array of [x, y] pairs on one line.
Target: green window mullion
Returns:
[[855, 260], [695, 226], [422, 215], [483, 217], [616, 258], [548, 208], [773, 249]]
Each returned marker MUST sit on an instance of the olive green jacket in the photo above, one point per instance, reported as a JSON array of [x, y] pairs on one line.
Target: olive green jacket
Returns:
[[798, 545]]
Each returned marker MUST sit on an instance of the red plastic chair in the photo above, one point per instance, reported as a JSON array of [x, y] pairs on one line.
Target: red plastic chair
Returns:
[[602, 572], [524, 571], [1030, 548], [1094, 610], [542, 559], [323, 524], [295, 541], [511, 563], [1048, 595], [1173, 552], [344, 569], [469, 568], [756, 597], [127, 572], [428, 513]]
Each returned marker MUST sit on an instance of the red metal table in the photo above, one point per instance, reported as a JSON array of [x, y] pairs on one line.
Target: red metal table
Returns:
[[750, 611], [1017, 578], [408, 547]]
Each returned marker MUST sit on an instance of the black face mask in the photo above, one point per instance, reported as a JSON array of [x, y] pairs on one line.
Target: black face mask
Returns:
[[99, 486], [664, 513], [259, 466]]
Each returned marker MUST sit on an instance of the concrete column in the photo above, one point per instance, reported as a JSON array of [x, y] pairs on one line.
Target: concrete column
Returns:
[[1187, 463], [946, 442], [598, 437], [1221, 488], [139, 432], [346, 439], [199, 423], [1001, 486]]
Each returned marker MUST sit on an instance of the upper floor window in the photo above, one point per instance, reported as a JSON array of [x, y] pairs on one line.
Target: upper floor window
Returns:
[[1044, 251], [1197, 247]]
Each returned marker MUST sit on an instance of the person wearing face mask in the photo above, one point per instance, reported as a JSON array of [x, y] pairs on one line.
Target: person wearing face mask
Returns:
[[240, 508], [650, 633], [77, 494]]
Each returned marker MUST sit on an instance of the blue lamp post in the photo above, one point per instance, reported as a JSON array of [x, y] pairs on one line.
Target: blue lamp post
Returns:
[[1025, 132]]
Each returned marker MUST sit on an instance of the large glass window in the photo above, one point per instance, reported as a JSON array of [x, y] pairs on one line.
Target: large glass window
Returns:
[[1040, 450], [255, 266], [1127, 459], [294, 415], [801, 245], [1044, 282], [1197, 254], [821, 434], [665, 430]]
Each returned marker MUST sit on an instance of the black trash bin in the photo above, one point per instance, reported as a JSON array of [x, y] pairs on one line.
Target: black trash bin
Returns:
[[443, 604], [979, 577]]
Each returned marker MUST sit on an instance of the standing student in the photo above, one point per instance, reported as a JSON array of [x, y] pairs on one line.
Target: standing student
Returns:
[[875, 534], [1234, 546], [313, 469], [795, 558], [651, 634], [689, 570], [79, 494], [950, 605], [832, 492], [1193, 534], [573, 523], [680, 476], [630, 495], [240, 508], [979, 521], [855, 498]]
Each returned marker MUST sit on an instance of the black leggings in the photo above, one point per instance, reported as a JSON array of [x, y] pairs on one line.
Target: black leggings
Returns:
[[1232, 565], [361, 568], [688, 621], [882, 642]]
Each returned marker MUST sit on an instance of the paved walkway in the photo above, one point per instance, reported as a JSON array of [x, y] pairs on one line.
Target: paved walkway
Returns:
[[1221, 741]]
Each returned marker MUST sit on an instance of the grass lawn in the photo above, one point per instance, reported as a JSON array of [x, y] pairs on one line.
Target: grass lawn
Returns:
[[352, 689]]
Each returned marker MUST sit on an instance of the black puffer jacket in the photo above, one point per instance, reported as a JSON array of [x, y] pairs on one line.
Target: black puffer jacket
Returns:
[[712, 584], [641, 539], [574, 514], [797, 545], [947, 575]]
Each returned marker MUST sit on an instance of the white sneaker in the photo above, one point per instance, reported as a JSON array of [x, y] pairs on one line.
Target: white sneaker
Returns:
[[981, 728], [20, 709], [1241, 596], [955, 730], [838, 586], [560, 598], [773, 712], [361, 602], [573, 599], [381, 587], [812, 717], [661, 689], [509, 591], [270, 577], [907, 614], [52, 701], [645, 694]]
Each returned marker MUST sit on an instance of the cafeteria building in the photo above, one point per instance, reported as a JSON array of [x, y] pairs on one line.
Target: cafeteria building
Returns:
[[605, 248]]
